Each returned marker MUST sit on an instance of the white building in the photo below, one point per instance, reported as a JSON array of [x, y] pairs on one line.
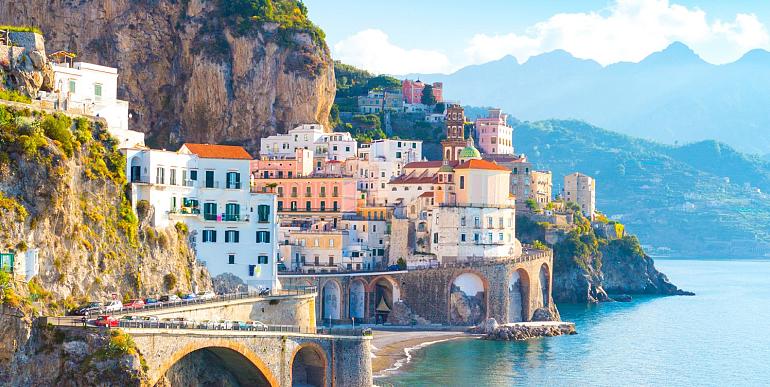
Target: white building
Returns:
[[379, 162], [206, 187], [333, 146], [91, 89], [581, 189]]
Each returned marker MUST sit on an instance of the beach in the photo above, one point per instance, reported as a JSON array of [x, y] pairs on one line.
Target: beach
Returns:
[[392, 349]]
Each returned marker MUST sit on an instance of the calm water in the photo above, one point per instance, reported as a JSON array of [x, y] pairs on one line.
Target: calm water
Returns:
[[719, 337]]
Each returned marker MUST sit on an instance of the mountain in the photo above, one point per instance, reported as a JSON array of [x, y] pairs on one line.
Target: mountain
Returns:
[[672, 96], [224, 71], [703, 199]]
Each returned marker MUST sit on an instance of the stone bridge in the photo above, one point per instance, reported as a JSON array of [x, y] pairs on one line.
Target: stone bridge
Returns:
[[256, 358], [509, 290]]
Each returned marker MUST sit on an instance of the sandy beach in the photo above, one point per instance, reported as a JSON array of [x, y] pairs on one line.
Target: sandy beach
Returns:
[[392, 349]]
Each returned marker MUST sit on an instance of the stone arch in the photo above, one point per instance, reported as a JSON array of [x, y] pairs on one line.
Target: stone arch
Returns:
[[308, 366], [357, 299], [331, 302], [518, 296], [545, 285], [385, 291], [467, 298], [241, 361]]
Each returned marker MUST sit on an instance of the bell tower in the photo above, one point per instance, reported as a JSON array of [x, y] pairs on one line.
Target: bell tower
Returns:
[[455, 132]]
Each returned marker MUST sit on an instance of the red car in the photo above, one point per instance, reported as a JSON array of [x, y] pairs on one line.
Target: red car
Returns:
[[106, 321], [133, 304]]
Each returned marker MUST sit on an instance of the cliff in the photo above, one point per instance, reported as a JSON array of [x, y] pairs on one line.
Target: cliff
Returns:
[[62, 198], [200, 71], [588, 267]]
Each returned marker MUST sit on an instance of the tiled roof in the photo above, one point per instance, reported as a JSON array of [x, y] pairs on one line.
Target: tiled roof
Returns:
[[208, 151], [429, 164], [428, 194], [482, 164], [414, 178]]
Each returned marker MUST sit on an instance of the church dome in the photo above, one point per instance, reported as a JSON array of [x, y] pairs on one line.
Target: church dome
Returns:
[[470, 152]]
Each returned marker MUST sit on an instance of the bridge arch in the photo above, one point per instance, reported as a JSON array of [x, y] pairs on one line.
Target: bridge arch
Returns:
[[242, 362], [467, 298], [357, 299], [386, 292], [518, 296], [331, 302], [308, 366]]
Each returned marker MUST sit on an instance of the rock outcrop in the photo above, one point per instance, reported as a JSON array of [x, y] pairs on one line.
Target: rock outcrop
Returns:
[[189, 73], [521, 331], [24, 66]]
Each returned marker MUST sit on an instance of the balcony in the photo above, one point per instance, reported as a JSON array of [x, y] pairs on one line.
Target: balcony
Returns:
[[192, 211], [226, 217], [233, 185], [210, 184], [311, 209]]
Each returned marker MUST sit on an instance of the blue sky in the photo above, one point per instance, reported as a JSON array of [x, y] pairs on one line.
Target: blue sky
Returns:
[[400, 36]]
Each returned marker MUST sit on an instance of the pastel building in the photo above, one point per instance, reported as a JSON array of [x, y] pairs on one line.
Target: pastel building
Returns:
[[526, 182], [206, 187], [332, 146], [494, 134], [413, 90], [377, 101], [310, 197], [379, 162], [581, 189], [92, 89]]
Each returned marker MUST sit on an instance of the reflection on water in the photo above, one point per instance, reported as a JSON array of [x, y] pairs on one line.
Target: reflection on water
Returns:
[[709, 339]]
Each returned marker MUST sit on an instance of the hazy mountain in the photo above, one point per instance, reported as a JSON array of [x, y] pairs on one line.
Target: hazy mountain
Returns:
[[700, 200], [672, 96]]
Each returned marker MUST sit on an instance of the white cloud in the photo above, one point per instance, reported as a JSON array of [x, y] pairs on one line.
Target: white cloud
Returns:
[[372, 50], [627, 30]]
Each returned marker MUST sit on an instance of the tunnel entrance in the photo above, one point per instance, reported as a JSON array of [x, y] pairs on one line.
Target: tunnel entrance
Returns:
[[214, 366], [308, 369]]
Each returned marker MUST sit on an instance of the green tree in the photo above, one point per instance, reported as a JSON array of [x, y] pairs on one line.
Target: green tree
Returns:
[[383, 82], [427, 95], [401, 263]]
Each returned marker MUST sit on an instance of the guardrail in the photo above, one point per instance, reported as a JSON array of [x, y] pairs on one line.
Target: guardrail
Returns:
[[219, 298]]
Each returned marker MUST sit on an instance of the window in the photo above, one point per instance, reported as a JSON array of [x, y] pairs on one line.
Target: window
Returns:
[[476, 237], [193, 175], [398, 155], [262, 259], [233, 180], [477, 222], [323, 192], [232, 212], [489, 222], [331, 242], [335, 191], [280, 205], [307, 191], [331, 260], [263, 213], [323, 205], [502, 222], [489, 237], [231, 259], [251, 270], [462, 182], [334, 206], [435, 237], [209, 179], [98, 90], [263, 236], [501, 237], [462, 237], [316, 242], [209, 211], [308, 206], [72, 86], [160, 176], [462, 221], [209, 236], [232, 236], [294, 192]]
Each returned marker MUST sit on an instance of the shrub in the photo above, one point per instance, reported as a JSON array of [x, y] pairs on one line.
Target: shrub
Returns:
[[182, 228], [118, 345], [14, 96], [11, 28], [169, 281], [539, 245], [57, 127], [401, 263], [11, 204]]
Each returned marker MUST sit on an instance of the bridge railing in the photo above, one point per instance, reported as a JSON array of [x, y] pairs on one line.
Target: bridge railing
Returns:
[[293, 291]]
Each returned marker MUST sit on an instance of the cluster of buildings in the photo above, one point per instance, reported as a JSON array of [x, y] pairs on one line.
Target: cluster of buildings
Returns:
[[319, 202], [407, 100]]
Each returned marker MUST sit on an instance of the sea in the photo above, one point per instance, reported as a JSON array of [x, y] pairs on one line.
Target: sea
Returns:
[[719, 337]]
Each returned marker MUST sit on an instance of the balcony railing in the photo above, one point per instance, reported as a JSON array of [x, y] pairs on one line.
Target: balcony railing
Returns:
[[226, 217], [311, 209], [233, 185]]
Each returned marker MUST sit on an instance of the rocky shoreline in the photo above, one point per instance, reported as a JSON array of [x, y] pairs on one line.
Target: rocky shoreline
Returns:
[[491, 330]]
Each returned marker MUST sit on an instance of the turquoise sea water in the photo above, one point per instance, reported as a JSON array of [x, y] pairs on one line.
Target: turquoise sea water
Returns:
[[720, 337]]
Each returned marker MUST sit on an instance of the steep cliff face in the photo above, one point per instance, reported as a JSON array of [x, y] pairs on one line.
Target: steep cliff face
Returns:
[[190, 73]]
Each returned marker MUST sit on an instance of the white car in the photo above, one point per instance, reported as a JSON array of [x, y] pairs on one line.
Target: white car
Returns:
[[113, 306], [209, 295]]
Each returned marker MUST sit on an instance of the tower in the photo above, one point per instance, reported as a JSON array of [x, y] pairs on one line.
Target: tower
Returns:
[[455, 133]]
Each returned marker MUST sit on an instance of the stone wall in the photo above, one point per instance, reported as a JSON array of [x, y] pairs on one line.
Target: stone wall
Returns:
[[346, 359], [286, 310]]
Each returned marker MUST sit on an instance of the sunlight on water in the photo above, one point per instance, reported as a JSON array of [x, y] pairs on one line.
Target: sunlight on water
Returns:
[[714, 338]]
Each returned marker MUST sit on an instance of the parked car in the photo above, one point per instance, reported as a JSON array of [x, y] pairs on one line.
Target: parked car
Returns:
[[189, 296], [106, 321], [223, 324], [169, 298], [209, 295], [87, 309], [149, 319], [394, 268], [129, 318], [113, 306], [134, 304], [150, 301], [256, 325]]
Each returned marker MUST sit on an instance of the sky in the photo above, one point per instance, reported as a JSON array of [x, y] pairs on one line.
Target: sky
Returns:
[[427, 36]]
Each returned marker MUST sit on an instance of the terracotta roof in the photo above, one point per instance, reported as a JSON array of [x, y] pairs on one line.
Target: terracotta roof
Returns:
[[414, 178], [208, 151], [429, 164], [428, 194], [482, 164]]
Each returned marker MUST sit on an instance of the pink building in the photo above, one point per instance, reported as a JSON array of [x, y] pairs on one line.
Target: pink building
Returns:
[[267, 168], [311, 195], [495, 136], [412, 91]]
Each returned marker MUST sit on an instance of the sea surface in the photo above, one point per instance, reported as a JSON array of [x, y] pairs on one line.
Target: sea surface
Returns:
[[719, 337]]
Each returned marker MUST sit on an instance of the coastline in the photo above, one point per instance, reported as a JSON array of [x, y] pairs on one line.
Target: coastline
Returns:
[[391, 350]]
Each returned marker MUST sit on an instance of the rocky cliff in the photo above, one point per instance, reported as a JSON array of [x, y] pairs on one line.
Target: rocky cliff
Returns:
[[62, 199], [587, 267], [196, 70]]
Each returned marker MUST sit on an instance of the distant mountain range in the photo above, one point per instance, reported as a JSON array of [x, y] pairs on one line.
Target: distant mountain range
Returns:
[[699, 200], [672, 96]]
